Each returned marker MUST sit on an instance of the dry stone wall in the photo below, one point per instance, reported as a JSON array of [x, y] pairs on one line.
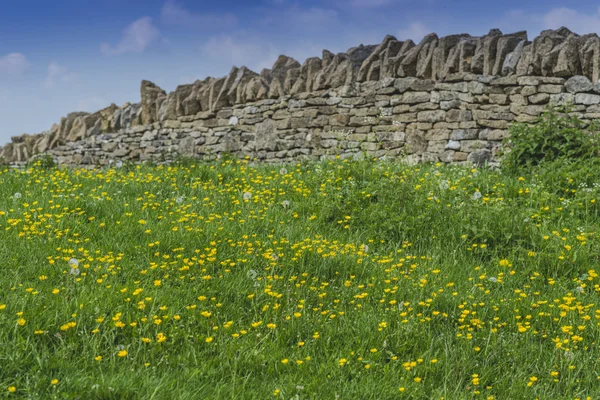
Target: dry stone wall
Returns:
[[448, 99]]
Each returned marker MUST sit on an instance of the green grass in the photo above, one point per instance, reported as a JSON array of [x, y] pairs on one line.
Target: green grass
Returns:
[[446, 281]]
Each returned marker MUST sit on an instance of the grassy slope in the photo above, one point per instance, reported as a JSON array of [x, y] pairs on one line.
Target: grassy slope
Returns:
[[457, 295]]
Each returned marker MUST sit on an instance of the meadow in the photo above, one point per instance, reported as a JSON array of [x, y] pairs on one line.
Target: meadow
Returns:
[[312, 280]]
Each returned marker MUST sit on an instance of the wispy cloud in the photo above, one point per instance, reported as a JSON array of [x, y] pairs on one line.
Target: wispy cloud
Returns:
[[307, 20], [137, 37], [57, 73], [415, 31], [241, 49], [371, 3], [577, 21], [175, 14], [13, 64]]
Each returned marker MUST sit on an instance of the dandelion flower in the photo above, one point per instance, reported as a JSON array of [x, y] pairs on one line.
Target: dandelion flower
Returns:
[[122, 353]]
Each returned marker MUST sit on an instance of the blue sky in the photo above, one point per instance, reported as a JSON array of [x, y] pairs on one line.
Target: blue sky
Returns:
[[72, 55]]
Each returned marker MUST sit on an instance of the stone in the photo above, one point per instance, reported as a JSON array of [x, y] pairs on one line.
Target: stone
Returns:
[[415, 97], [540, 98], [587, 99], [551, 89], [562, 98], [463, 134], [577, 84], [452, 145], [431, 116], [150, 93], [480, 157]]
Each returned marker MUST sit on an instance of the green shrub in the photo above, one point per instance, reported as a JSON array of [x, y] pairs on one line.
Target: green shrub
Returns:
[[555, 135], [43, 161]]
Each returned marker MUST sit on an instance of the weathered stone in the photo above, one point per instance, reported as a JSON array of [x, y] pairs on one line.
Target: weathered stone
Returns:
[[587, 99], [415, 97], [149, 93], [463, 134], [551, 89], [480, 157], [459, 115], [540, 98], [562, 98], [431, 116], [577, 84]]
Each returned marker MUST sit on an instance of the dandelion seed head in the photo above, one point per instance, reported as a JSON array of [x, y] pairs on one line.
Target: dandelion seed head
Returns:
[[252, 274]]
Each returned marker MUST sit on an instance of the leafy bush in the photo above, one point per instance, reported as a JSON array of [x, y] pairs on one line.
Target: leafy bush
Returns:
[[555, 135], [43, 161]]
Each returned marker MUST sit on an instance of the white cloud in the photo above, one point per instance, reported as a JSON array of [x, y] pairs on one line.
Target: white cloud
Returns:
[[173, 13], [136, 38], [370, 3], [295, 17], [415, 31], [57, 73], [13, 64], [241, 50], [576, 21]]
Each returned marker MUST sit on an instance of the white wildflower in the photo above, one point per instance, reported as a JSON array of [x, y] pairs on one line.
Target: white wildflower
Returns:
[[119, 164], [283, 171], [247, 195], [493, 279], [444, 185], [179, 200], [365, 248], [579, 289], [286, 203], [476, 195], [569, 355], [17, 195], [73, 261], [74, 271]]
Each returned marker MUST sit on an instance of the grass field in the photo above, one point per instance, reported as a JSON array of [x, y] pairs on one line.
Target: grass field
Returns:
[[331, 280]]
